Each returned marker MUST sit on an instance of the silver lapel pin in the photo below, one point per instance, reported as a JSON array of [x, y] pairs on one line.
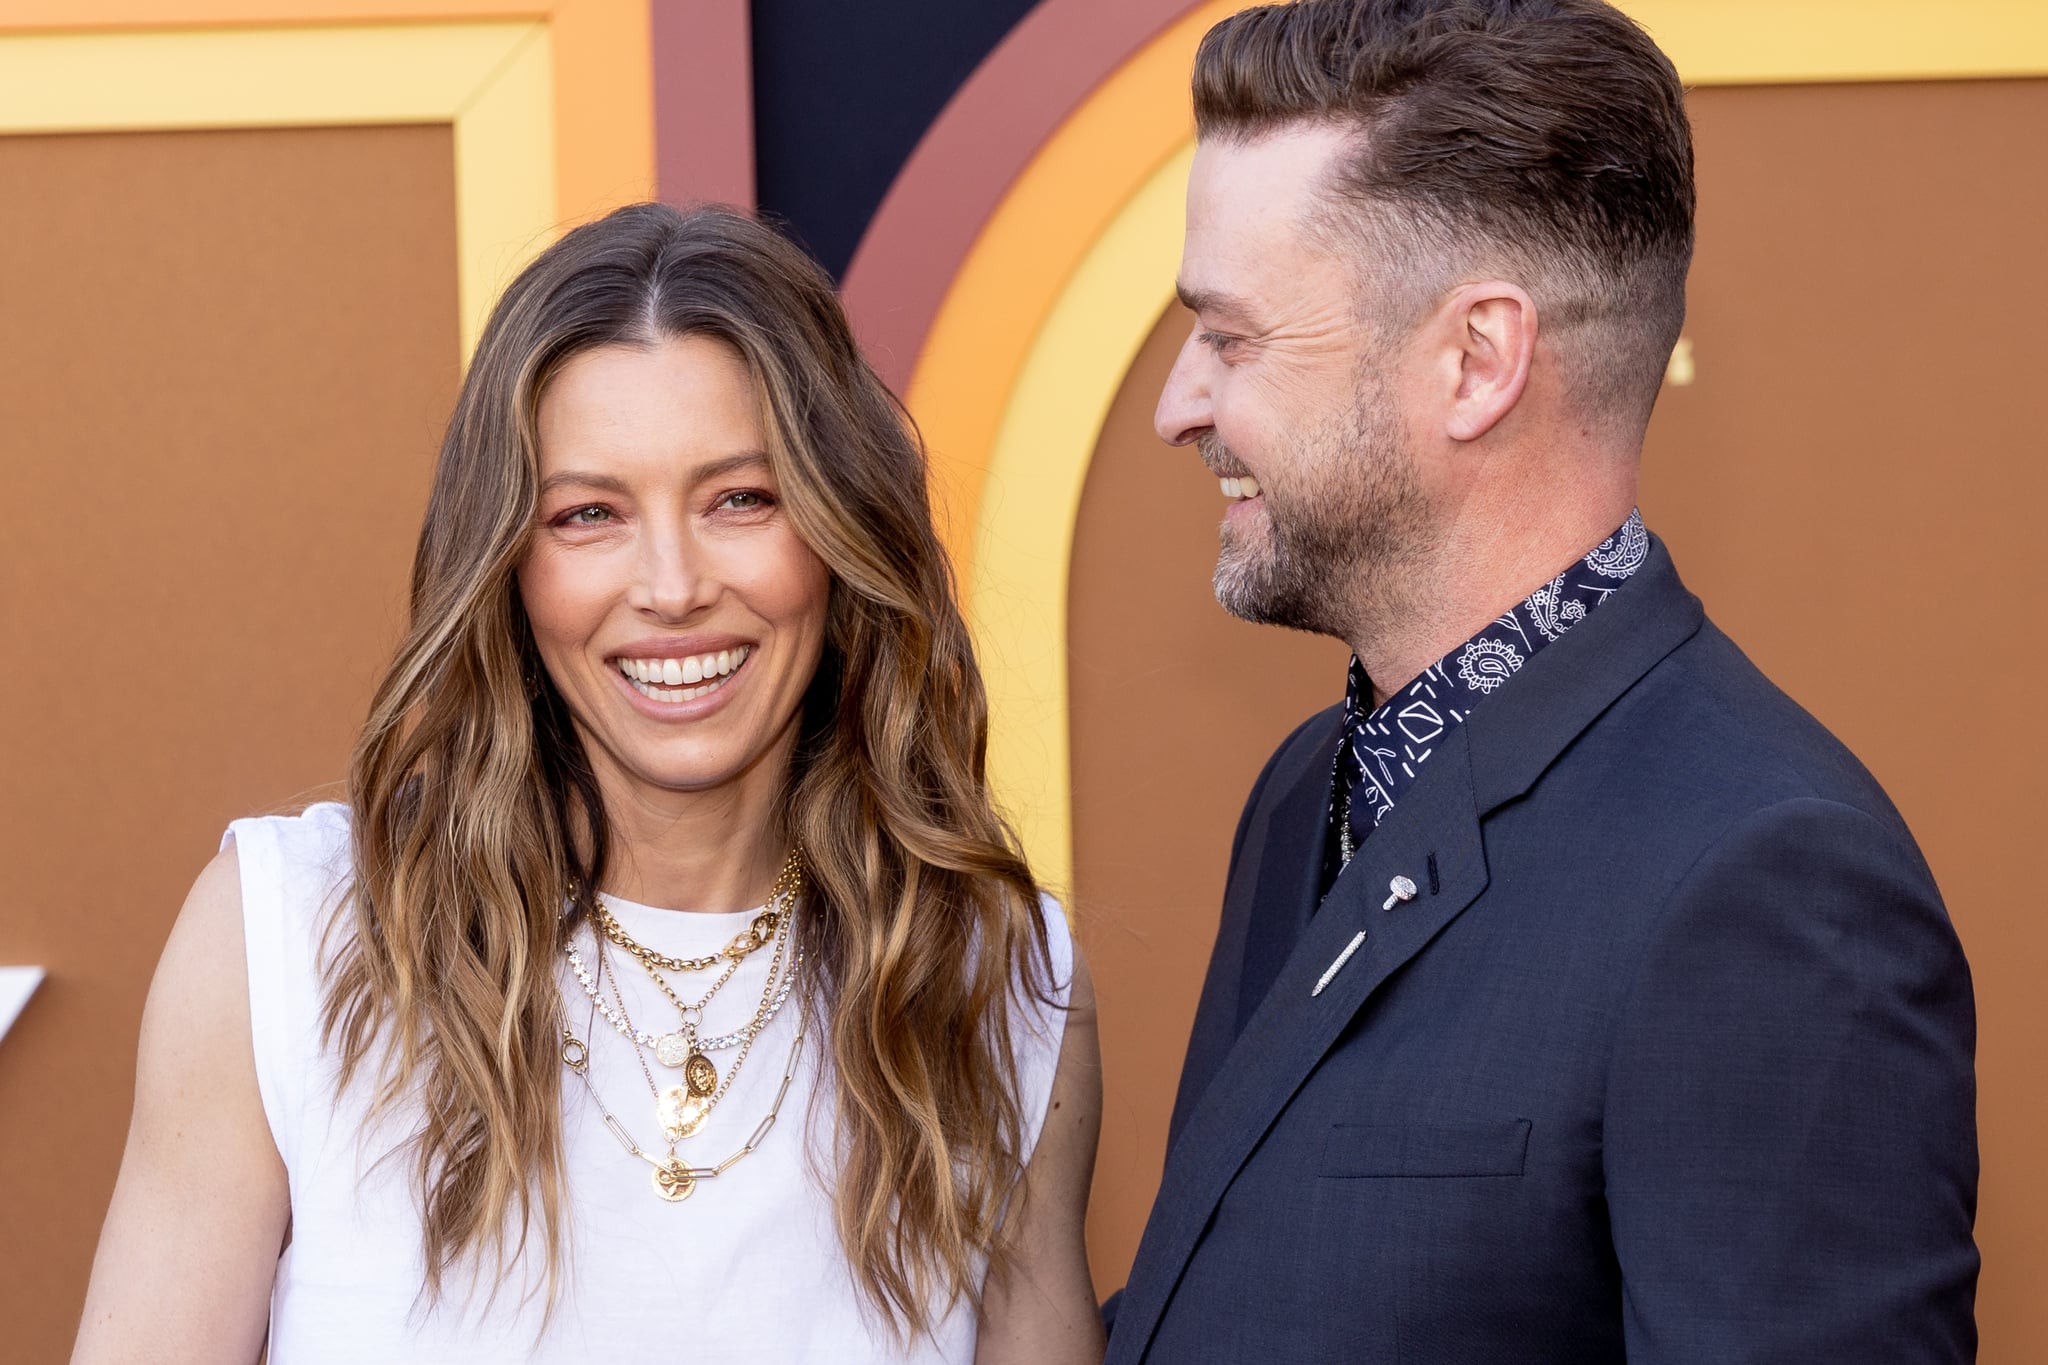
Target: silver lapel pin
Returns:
[[1338, 965], [1403, 889]]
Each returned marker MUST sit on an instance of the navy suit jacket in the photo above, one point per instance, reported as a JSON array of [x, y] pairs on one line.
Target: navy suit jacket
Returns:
[[1670, 1059]]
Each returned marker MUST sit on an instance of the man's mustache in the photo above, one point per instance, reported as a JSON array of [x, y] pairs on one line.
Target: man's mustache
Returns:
[[1217, 457]]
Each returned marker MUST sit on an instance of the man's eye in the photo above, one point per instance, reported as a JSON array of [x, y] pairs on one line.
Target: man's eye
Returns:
[[1215, 341]]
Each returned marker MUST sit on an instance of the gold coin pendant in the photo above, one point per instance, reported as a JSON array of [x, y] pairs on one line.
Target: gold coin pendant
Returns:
[[700, 1074], [680, 1112], [673, 1181]]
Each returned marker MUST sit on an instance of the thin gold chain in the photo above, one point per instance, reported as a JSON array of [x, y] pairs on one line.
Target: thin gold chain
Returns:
[[693, 1025], [682, 1008], [607, 976], [746, 1046]]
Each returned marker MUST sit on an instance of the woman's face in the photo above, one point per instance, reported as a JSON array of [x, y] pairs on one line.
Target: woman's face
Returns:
[[674, 607]]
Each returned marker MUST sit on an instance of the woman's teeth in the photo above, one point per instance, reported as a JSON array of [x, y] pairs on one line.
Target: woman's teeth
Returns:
[[1244, 486], [683, 679]]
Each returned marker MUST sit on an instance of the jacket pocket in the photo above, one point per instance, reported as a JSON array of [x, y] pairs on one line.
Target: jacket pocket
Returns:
[[1381, 1151]]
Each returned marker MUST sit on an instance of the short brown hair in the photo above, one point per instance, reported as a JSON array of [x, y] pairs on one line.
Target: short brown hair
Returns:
[[1543, 139]]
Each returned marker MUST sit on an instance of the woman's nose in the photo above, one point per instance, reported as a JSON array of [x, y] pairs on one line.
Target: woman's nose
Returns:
[[669, 581]]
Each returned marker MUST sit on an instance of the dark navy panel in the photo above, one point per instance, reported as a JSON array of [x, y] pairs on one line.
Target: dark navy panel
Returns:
[[842, 94]]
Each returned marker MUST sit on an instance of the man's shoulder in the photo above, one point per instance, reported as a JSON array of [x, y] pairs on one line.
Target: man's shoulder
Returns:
[[1706, 730]]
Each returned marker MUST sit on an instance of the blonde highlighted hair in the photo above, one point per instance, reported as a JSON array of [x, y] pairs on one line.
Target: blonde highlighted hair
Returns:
[[474, 804]]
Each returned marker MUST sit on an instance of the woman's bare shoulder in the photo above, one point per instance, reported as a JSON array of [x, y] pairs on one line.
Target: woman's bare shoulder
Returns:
[[199, 1210]]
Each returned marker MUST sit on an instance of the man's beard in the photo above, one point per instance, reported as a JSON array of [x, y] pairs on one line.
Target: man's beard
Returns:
[[1339, 528]]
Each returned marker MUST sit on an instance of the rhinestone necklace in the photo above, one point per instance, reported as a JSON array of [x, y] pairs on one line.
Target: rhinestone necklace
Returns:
[[652, 1042]]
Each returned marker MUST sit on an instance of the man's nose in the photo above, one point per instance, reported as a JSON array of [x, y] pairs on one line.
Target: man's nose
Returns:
[[1183, 413]]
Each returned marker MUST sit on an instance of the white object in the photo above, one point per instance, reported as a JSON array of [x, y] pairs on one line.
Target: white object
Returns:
[[1330, 972], [747, 1268], [17, 984]]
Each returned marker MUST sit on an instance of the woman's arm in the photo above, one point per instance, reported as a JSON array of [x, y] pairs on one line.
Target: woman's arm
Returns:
[[1042, 1312], [191, 1241]]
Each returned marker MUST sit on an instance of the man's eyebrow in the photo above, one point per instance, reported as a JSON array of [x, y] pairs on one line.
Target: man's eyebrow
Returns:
[[1214, 303]]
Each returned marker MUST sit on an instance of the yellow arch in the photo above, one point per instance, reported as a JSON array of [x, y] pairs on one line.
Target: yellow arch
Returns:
[[1077, 263], [1037, 465]]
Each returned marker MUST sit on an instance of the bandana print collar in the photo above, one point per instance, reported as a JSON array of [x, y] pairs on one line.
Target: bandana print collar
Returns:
[[1381, 753]]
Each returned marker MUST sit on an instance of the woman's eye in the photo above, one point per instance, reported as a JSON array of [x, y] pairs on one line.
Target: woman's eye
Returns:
[[593, 515], [745, 500]]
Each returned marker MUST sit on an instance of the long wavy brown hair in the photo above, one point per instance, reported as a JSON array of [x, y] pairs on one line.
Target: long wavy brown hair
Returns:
[[475, 806]]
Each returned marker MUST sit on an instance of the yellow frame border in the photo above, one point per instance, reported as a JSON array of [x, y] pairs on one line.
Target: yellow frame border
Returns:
[[1038, 330], [492, 81]]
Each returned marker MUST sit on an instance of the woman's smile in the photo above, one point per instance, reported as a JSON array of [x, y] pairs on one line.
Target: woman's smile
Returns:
[[681, 677]]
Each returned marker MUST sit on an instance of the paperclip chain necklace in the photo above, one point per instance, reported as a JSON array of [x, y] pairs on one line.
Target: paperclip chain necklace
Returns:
[[673, 1180]]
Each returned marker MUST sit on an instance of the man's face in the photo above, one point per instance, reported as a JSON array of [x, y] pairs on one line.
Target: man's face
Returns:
[[1283, 381]]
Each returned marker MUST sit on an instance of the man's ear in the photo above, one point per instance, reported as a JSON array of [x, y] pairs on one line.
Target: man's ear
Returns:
[[1489, 335]]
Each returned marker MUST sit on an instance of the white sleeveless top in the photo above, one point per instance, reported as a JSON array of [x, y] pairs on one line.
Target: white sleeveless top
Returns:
[[747, 1268]]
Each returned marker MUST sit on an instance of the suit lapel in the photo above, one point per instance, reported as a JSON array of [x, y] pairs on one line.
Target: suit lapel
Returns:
[[1290, 873], [1290, 1029], [1493, 758], [1267, 904]]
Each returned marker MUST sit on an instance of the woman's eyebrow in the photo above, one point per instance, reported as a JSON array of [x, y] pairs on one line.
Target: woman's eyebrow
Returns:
[[732, 464], [579, 479], [710, 469]]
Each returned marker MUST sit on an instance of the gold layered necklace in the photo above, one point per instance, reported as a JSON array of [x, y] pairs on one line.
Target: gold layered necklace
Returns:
[[681, 1046], [681, 1110], [674, 1179]]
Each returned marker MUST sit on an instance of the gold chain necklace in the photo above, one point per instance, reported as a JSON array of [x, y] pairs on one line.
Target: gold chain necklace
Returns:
[[679, 1047], [682, 1109], [673, 1180], [781, 896]]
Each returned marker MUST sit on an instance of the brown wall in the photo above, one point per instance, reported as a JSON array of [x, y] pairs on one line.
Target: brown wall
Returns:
[[225, 359], [1851, 484]]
